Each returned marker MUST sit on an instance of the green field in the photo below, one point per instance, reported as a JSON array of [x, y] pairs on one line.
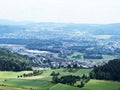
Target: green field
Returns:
[[102, 85], [91, 85], [9, 81], [79, 56], [11, 88], [64, 87], [5, 75], [76, 56], [25, 83], [105, 58]]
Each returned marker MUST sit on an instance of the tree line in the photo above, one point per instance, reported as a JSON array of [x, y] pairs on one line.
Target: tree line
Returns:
[[70, 79], [34, 73]]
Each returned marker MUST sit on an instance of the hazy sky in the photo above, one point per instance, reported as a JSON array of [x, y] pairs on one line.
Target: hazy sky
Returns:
[[76, 11]]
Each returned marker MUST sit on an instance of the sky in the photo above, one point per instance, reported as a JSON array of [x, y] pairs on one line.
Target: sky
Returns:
[[67, 11]]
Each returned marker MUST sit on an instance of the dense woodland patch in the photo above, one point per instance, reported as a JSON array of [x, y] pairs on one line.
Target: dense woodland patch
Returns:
[[109, 71], [13, 62]]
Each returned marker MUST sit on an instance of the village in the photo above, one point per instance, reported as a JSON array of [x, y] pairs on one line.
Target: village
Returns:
[[45, 60]]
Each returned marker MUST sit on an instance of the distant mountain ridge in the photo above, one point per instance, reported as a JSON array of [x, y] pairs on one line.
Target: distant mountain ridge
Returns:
[[9, 29]]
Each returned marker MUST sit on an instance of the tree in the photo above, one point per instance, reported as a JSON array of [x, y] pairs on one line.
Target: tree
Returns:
[[84, 76], [92, 75], [24, 75], [55, 74], [82, 84], [55, 79]]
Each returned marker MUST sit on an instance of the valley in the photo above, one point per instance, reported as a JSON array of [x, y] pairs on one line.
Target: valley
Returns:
[[59, 44], [66, 50]]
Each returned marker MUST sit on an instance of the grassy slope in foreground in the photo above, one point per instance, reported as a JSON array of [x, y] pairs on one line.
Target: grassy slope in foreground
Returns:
[[34, 84], [10, 74], [102, 85], [10, 88], [43, 81], [91, 85], [65, 87]]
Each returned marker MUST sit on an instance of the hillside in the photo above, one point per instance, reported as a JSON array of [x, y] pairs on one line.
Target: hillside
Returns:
[[56, 30], [109, 71], [12, 61], [101, 85], [91, 85], [64, 87], [43, 82]]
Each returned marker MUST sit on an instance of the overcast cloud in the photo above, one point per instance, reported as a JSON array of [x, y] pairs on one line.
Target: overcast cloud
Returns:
[[75, 11]]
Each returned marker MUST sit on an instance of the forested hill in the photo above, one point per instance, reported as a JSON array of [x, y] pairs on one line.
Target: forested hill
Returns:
[[12, 61], [109, 71]]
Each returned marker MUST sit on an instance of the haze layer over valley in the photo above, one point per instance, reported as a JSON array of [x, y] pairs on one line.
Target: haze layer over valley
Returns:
[[52, 44]]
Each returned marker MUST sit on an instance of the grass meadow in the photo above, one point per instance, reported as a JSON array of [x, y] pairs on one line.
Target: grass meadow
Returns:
[[10, 81]]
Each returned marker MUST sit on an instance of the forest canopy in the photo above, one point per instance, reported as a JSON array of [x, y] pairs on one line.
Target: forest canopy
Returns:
[[109, 71], [10, 61]]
